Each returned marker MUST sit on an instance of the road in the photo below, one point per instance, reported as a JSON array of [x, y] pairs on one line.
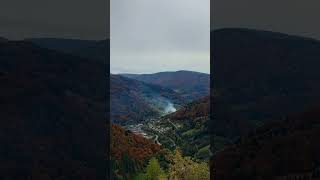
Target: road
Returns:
[[172, 124], [156, 140]]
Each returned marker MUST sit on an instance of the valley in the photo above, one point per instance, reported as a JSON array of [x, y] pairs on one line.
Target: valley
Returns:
[[151, 129], [143, 110], [171, 132], [175, 122], [64, 100]]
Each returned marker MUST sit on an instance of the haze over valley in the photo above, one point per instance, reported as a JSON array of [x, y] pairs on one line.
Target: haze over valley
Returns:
[[169, 109]]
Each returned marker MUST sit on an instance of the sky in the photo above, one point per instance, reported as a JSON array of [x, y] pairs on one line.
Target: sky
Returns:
[[294, 17], [76, 19], [149, 36], [156, 35]]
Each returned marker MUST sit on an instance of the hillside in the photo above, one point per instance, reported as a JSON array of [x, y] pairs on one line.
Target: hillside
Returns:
[[192, 85], [99, 51], [130, 152], [187, 129], [134, 101], [193, 110], [52, 114], [193, 121], [261, 76], [278, 149], [179, 139], [124, 142]]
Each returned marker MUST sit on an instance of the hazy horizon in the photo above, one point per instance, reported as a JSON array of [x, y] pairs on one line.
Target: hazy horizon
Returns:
[[141, 73]]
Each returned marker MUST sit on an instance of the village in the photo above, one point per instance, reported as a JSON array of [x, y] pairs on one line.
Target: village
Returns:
[[153, 128]]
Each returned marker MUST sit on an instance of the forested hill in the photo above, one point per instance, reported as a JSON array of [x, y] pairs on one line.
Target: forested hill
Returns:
[[191, 128], [90, 49], [262, 76], [191, 85], [49, 99], [133, 101], [282, 148]]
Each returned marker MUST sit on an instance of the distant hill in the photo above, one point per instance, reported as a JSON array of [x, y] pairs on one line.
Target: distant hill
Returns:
[[64, 45], [134, 101], [262, 76], [3, 39], [192, 85], [52, 114], [91, 49]]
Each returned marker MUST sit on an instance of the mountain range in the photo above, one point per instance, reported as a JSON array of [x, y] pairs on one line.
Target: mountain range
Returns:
[[54, 93], [154, 95], [191, 85], [54, 104]]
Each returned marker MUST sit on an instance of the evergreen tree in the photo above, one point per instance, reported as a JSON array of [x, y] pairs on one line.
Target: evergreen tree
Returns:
[[128, 164], [154, 171]]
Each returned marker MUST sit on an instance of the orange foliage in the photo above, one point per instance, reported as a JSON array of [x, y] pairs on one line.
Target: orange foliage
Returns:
[[193, 110], [136, 146]]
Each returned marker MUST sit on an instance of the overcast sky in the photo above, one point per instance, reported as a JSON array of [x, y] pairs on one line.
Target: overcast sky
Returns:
[[79, 19], [150, 36], [156, 35], [295, 17]]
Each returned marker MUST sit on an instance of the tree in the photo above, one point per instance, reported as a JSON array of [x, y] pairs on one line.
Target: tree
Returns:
[[127, 164], [154, 171], [199, 171], [187, 169], [140, 176], [177, 168]]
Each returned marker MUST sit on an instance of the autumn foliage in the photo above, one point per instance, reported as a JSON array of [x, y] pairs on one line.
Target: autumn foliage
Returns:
[[135, 146], [199, 108], [276, 149]]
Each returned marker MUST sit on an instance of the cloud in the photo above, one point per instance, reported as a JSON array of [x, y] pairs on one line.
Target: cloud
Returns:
[[163, 35]]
